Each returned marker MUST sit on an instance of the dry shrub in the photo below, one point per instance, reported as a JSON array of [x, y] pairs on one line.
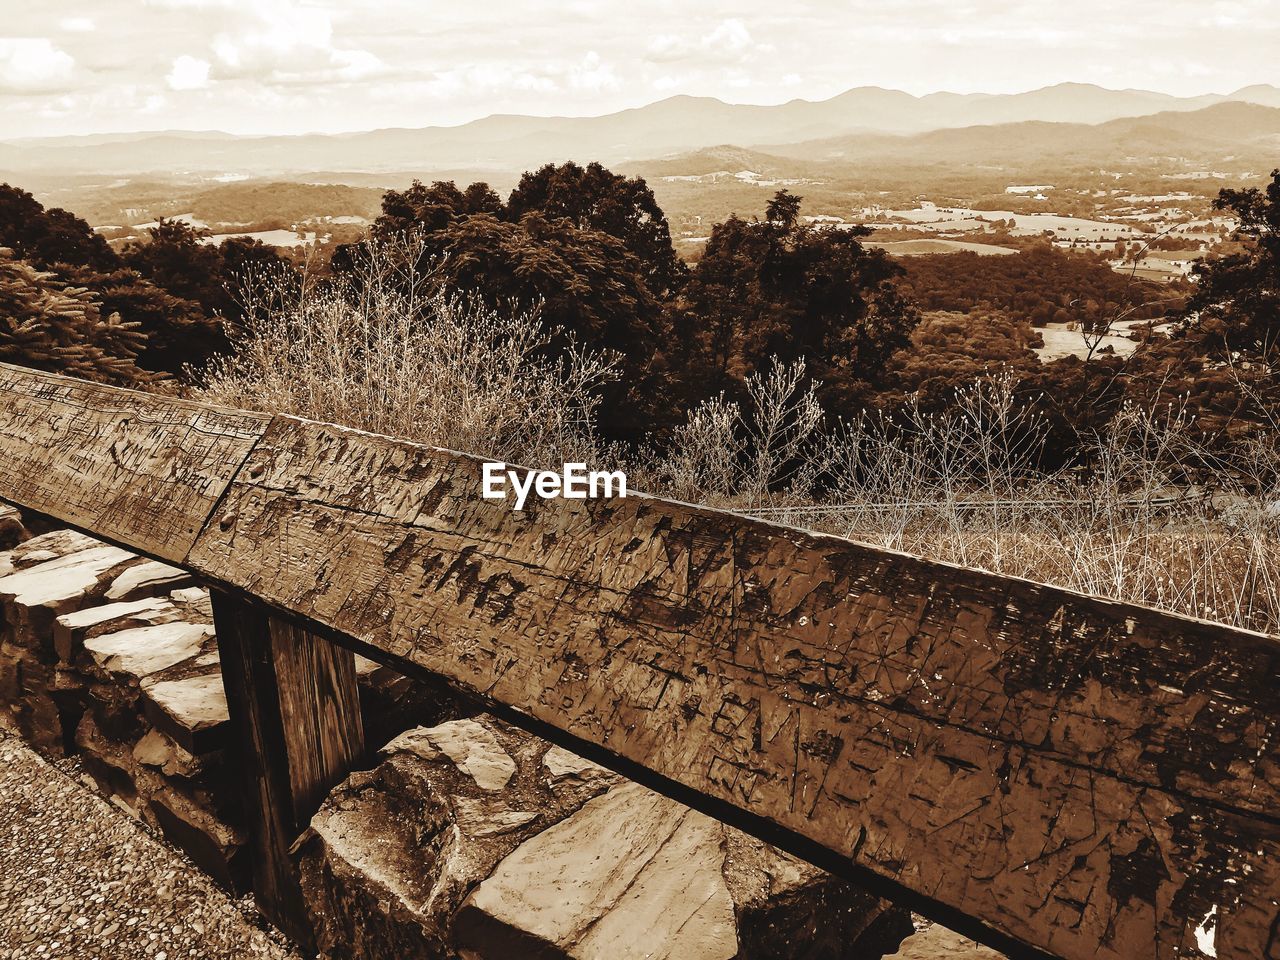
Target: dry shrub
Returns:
[[385, 349]]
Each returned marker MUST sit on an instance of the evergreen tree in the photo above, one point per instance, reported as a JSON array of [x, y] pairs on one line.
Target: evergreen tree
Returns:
[[49, 325]]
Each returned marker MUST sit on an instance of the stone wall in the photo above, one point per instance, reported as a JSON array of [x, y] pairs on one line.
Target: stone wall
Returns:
[[465, 838]]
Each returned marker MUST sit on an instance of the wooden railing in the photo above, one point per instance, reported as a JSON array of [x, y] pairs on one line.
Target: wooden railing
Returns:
[[1057, 774]]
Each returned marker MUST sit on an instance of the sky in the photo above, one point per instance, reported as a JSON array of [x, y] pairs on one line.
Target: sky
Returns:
[[295, 66]]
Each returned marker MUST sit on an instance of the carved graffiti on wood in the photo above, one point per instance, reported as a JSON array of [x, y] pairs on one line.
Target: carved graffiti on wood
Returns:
[[134, 468]]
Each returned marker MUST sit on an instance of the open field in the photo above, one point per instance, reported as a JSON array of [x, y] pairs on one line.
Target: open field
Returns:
[[919, 248], [930, 216]]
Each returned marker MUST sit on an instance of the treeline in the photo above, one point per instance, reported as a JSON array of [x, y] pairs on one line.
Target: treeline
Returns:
[[283, 202], [591, 251]]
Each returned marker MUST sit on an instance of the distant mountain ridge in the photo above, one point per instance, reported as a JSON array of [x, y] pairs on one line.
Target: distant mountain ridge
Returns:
[[1209, 133], [668, 127]]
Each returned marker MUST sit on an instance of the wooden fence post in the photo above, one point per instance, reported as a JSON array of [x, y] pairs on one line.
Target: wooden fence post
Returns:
[[295, 716]]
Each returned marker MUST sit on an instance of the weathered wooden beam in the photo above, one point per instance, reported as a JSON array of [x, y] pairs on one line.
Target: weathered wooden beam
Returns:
[[133, 468], [1085, 777], [1088, 777], [295, 717]]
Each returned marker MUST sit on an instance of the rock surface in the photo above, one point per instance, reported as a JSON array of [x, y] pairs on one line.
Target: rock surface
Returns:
[[935, 942], [477, 840], [12, 530], [146, 579]]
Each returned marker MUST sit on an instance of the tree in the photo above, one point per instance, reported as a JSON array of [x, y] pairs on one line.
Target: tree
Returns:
[[47, 237], [779, 288], [582, 281], [1236, 307], [951, 350], [594, 198], [177, 331], [174, 257], [46, 324], [784, 209], [188, 272], [589, 249], [433, 208]]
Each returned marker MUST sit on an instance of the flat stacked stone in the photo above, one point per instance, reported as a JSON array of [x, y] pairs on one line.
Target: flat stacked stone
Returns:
[[154, 733], [112, 656], [44, 577], [13, 530]]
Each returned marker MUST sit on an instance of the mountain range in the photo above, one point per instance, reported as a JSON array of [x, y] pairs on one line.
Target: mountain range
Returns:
[[863, 123]]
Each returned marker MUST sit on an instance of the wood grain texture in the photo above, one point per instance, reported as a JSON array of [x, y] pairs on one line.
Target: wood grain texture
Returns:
[[295, 723], [134, 468], [320, 714], [1090, 778]]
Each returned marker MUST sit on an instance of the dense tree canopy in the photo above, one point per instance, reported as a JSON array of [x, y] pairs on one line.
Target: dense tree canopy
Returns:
[[594, 198], [591, 251], [169, 290], [1041, 285], [950, 350], [584, 282], [779, 288], [47, 237]]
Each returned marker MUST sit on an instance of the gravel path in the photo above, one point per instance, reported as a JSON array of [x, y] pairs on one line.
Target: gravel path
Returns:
[[81, 880]]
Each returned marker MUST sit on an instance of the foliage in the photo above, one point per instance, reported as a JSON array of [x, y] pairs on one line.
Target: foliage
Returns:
[[594, 198], [1041, 285], [972, 484], [283, 202], [575, 263], [777, 288], [47, 324], [949, 349], [1236, 307], [382, 348], [47, 237], [433, 209], [170, 289]]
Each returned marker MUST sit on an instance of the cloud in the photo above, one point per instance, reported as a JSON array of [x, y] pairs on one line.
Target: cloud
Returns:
[[731, 37], [188, 73], [192, 4], [295, 65], [593, 75], [281, 42], [667, 47], [34, 65], [729, 41]]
